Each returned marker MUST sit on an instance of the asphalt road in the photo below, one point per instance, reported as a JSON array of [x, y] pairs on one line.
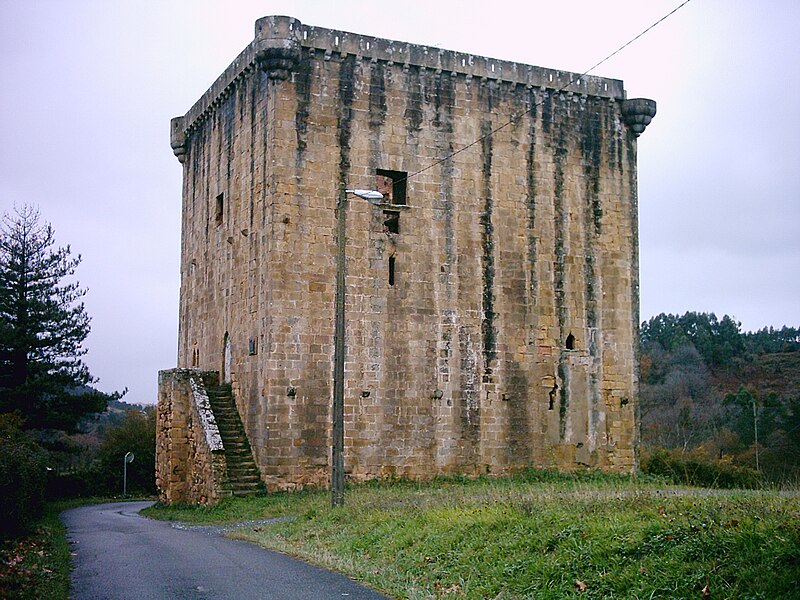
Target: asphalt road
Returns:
[[118, 554]]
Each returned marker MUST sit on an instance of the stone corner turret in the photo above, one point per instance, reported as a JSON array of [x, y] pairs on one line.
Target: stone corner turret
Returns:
[[277, 45], [177, 137], [638, 113]]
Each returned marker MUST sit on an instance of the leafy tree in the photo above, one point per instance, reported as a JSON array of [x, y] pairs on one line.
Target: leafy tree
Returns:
[[43, 325], [23, 477], [677, 404], [769, 340], [135, 433], [717, 341]]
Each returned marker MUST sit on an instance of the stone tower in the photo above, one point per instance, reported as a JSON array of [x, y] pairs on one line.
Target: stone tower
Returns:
[[491, 296]]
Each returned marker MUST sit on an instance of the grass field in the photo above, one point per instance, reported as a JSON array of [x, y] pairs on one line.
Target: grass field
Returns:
[[536, 535]]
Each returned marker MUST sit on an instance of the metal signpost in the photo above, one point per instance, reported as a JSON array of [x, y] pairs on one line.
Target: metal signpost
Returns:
[[128, 459]]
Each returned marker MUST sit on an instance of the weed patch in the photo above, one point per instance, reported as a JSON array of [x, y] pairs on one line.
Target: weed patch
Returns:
[[36, 565]]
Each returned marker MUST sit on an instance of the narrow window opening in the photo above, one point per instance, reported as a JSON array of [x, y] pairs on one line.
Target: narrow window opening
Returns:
[[252, 346], [392, 184], [195, 357], [226, 359], [552, 394], [570, 342], [391, 270], [391, 221], [218, 209]]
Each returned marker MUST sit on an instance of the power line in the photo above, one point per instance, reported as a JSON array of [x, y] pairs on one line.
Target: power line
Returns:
[[517, 117]]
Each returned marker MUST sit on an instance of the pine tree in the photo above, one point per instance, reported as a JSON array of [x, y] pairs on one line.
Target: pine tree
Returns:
[[43, 324]]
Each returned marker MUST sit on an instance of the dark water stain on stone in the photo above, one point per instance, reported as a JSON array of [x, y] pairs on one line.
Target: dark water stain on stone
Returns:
[[591, 150], [377, 95], [563, 394], [347, 70], [443, 101], [487, 244], [559, 275], [302, 82], [413, 113], [547, 111], [530, 202], [253, 126], [264, 92]]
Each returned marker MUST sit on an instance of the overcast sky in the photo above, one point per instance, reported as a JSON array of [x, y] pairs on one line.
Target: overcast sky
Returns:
[[88, 89]]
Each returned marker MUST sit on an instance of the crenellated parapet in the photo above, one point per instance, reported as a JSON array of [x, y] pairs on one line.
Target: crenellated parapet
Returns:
[[280, 40]]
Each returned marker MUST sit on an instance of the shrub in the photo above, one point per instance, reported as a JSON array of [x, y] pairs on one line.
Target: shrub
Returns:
[[695, 468], [23, 477], [135, 432]]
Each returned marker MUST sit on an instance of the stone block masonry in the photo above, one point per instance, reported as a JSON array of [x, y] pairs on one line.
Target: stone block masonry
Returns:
[[190, 459], [492, 300]]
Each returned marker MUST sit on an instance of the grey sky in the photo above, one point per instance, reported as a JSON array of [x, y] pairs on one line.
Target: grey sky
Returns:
[[89, 87]]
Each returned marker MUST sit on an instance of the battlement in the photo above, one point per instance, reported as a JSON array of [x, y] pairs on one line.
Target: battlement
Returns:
[[278, 41]]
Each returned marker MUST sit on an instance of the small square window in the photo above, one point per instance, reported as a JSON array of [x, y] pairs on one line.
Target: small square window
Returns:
[[391, 221], [392, 184]]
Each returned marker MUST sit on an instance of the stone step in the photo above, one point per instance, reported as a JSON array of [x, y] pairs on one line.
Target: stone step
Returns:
[[243, 477], [243, 474], [245, 463], [240, 451], [235, 486], [236, 431], [250, 467], [241, 493], [250, 477], [235, 444]]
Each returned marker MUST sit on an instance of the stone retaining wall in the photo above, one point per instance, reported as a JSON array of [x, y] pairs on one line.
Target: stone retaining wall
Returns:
[[190, 458]]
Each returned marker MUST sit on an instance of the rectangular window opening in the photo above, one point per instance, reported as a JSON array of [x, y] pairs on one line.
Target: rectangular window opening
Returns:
[[391, 221], [218, 209], [392, 184], [391, 270], [252, 347]]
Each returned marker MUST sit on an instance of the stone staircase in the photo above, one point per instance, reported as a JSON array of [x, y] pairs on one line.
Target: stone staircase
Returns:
[[243, 478]]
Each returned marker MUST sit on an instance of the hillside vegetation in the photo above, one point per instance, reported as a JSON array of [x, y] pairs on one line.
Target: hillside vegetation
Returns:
[[709, 390]]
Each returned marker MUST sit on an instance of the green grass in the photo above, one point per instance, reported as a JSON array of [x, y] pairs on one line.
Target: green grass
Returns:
[[537, 535]]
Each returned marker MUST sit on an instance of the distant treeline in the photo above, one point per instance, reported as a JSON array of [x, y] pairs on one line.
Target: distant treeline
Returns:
[[719, 341]]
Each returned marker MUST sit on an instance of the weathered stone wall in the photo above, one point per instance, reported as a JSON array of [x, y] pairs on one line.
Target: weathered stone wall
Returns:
[[190, 460], [507, 337]]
